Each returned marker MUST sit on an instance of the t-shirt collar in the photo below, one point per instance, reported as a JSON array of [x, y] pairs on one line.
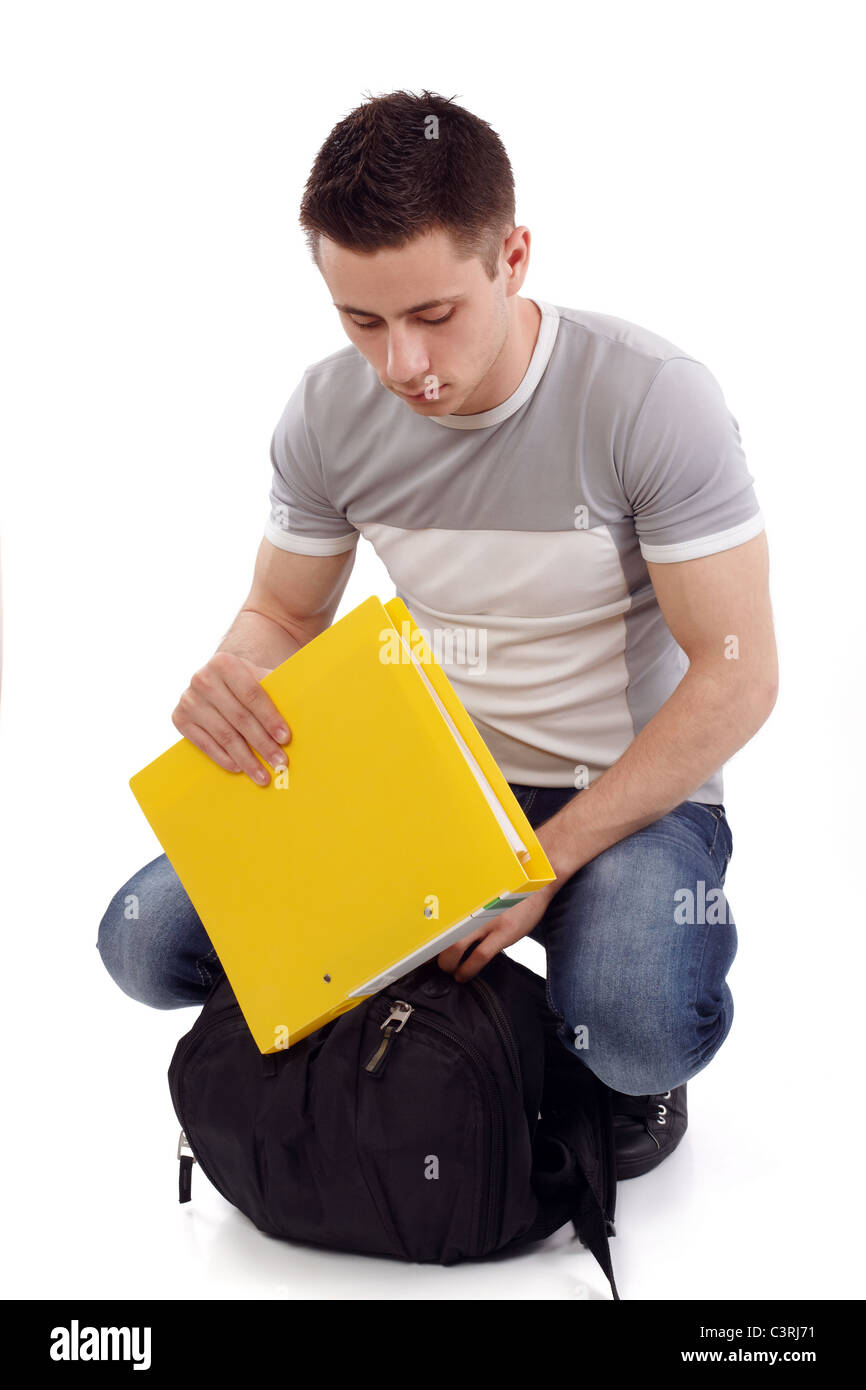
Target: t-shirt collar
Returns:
[[540, 357]]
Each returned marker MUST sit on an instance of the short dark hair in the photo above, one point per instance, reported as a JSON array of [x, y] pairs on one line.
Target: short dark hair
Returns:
[[387, 173]]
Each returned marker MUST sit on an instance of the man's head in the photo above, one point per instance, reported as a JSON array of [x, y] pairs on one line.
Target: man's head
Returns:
[[409, 215]]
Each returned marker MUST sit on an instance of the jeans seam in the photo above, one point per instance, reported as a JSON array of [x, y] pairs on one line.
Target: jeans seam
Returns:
[[708, 928], [698, 977], [717, 820], [725, 856], [726, 859]]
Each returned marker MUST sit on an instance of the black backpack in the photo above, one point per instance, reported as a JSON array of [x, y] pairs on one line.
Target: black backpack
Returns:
[[434, 1122]]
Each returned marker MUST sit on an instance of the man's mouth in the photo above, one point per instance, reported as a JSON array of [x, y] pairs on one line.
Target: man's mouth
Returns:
[[422, 395]]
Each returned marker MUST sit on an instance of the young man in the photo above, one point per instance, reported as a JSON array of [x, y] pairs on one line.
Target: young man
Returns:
[[569, 492]]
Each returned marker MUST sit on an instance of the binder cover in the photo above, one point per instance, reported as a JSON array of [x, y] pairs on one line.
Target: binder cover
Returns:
[[376, 848]]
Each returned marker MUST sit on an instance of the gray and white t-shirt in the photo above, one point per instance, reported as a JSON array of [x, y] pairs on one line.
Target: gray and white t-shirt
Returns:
[[518, 537]]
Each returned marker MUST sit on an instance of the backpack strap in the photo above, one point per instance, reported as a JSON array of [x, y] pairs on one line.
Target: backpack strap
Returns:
[[563, 1186], [576, 1134]]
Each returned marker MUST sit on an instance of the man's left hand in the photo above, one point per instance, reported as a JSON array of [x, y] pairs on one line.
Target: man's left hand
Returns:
[[503, 931]]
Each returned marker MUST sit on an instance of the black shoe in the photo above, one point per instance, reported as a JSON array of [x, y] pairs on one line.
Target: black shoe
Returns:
[[647, 1129]]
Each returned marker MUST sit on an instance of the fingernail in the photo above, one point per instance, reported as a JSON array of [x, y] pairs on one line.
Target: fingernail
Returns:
[[262, 776], [282, 735]]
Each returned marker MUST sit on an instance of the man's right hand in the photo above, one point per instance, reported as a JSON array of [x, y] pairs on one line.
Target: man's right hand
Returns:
[[226, 713]]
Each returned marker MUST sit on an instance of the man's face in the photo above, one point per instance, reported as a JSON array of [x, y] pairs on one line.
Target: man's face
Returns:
[[430, 324]]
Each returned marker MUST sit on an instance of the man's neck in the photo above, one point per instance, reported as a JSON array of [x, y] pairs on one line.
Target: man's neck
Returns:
[[512, 364]]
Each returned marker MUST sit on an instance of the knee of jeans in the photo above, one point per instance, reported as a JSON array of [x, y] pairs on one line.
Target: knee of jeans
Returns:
[[711, 1028], [632, 1074], [651, 1060], [129, 951], [108, 936]]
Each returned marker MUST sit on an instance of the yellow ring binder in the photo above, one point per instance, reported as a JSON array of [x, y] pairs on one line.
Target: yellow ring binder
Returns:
[[313, 889]]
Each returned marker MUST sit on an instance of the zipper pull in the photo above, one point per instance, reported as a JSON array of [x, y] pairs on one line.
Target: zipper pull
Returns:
[[185, 1175], [393, 1024]]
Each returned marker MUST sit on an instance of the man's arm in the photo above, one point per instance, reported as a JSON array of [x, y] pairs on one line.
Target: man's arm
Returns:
[[225, 711], [292, 599], [718, 610]]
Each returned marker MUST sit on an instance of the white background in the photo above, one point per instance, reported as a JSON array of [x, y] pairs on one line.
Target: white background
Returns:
[[692, 167]]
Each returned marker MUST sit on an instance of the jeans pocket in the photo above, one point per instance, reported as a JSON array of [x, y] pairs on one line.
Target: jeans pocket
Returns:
[[729, 842], [717, 834], [723, 843]]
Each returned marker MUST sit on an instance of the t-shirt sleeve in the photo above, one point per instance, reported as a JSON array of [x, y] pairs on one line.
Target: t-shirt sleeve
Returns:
[[685, 472], [302, 517]]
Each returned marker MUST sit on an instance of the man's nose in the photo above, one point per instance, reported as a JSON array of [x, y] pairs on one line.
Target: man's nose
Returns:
[[407, 358]]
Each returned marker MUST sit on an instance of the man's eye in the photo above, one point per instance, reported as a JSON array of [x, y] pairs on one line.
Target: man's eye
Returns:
[[374, 323]]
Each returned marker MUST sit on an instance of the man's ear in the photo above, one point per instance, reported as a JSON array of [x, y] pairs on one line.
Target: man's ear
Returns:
[[516, 253]]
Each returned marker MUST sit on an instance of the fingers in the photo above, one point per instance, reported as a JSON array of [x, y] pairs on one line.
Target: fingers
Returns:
[[488, 947], [236, 748], [256, 703], [450, 958], [246, 728], [202, 739], [483, 946], [226, 713]]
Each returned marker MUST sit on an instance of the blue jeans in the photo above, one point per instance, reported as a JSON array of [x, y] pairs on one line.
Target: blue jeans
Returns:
[[638, 945]]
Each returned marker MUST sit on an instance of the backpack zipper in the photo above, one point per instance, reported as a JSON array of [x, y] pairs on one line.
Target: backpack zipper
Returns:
[[394, 1023], [186, 1161], [196, 1034], [491, 1090], [499, 1019], [185, 1170], [401, 1011]]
